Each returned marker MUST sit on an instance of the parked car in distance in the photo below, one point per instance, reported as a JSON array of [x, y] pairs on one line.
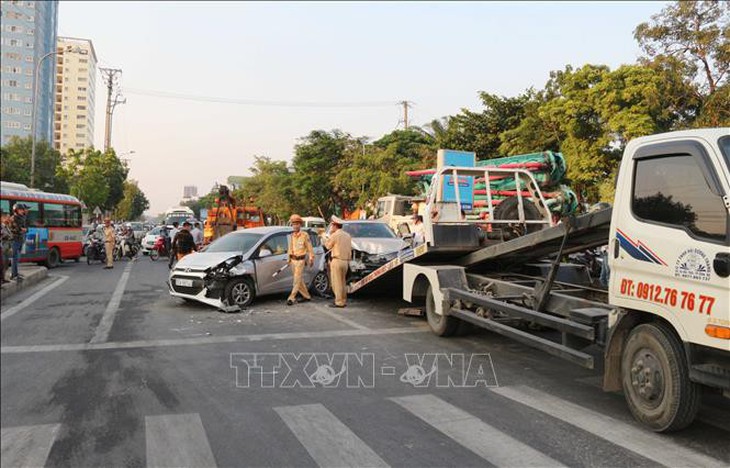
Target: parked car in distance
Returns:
[[149, 239], [373, 244], [138, 229], [233, 270]]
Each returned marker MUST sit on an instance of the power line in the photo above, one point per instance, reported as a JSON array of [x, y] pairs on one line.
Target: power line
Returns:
[[255, 102]]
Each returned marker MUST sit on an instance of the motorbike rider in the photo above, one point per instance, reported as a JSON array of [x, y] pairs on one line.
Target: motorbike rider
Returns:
[[183, 243]]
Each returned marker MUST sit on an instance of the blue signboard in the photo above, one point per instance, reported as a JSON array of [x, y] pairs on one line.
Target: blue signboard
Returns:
[[465, 183]]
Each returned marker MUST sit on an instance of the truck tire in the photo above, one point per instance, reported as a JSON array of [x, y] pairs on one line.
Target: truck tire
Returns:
[[510, 209], [441, 325], [655, 379]]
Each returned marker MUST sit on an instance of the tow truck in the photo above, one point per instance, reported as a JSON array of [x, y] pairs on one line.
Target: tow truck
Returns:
[[660, 331]]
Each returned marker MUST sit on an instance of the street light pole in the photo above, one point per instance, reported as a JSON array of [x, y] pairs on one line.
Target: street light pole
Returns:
[[35, 105]]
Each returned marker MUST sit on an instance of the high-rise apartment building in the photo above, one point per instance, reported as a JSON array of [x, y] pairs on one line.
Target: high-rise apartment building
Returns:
[[28, 33], [190, 191], [73, 121]]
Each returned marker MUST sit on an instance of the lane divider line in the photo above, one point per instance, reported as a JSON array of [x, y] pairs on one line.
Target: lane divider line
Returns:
[[107, 320], [37, 295]]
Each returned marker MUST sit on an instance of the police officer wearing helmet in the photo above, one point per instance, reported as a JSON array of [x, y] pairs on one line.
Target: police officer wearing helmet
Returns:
[[301, 253], [340, 245]]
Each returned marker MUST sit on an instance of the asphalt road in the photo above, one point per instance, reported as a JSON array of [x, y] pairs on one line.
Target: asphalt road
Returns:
[[104, 368]]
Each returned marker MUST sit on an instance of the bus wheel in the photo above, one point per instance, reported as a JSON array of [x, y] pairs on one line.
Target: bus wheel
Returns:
[[656, 380], [53, 258]]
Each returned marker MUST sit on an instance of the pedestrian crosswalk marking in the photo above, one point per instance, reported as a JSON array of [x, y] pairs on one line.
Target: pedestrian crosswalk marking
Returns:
[[471, 432], [638, 440], [329, 442], [27, 446], [176, 440]]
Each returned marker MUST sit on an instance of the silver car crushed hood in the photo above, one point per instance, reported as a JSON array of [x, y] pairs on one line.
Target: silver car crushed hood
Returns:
[[378, 246], [203, 260]]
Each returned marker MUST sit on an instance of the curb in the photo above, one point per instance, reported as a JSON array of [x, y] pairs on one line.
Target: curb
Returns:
[[32, 276]]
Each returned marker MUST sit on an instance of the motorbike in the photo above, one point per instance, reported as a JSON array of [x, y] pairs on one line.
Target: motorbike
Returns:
[[95, 251], [125, 247], [159, 249]]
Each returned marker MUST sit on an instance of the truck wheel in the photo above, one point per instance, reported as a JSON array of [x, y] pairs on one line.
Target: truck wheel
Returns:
[[53, 258], [510, 209], [656, 381], [441, 325]]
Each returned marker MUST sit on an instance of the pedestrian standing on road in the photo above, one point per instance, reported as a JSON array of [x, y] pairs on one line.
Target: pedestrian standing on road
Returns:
[[18, 229], [301, 253], [183, 244], [110, 239], [7, 245], [197, 236], [171, 248], [340, 245]]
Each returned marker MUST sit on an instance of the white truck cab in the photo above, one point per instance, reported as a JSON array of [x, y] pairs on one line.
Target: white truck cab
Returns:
[[663, 322]]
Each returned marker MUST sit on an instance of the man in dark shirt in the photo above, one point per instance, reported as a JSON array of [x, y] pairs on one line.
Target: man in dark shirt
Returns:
[[18, 228], [183, 243]]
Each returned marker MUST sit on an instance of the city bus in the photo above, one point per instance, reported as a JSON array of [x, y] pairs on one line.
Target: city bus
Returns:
[[54, 223]]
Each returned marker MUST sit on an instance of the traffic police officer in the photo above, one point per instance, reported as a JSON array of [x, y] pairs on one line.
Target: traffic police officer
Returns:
[[340, 245], [300, 253]]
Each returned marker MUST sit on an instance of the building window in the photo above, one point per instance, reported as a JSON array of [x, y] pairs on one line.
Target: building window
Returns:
[[29, 58], [80, 135], [26, 127], [81, 126], [28, 86], [83, 61], [81, 88], [81, 107], [80, 116], [29, 45], [81, 98], [27, 112], [82, 78]]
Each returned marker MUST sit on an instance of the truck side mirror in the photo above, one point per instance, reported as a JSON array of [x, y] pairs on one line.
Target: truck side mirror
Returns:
[[721, 264]]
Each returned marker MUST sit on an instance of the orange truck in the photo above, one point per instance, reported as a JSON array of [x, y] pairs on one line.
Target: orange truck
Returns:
[[246, 217]]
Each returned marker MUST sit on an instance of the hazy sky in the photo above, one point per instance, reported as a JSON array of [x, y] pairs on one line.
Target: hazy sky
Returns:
[[437, 55]]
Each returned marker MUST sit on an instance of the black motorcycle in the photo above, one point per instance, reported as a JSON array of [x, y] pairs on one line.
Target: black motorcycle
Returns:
[[95, 251]]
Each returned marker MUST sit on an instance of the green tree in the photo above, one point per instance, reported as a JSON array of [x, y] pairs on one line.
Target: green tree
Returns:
[[15, 164], [318, 158], [480, 131], [133, 204], [696, 32], [271, 187], [97, 178]]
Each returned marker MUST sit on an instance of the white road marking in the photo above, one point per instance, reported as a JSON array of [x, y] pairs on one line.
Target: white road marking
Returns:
[[27, 446], [107, 320], [328, 441], [37, 295], [491, 444], [175, 440], [339, 317], [641, 441], [207, 340]]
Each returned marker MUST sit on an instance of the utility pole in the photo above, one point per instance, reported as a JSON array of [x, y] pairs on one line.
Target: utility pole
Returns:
[[111, 77], [405, 105]]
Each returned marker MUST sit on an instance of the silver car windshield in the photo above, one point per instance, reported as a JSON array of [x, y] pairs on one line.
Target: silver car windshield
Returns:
[[369, 230], [234, 243]]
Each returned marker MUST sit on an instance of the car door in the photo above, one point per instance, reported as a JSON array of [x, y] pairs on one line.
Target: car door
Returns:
[[311, 271], [666, 243], [268, 265]]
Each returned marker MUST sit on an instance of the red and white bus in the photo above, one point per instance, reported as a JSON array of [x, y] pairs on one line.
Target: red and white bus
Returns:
[[54, 223]]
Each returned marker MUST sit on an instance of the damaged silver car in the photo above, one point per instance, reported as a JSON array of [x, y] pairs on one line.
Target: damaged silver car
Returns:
[[233, 270], [373, 244]]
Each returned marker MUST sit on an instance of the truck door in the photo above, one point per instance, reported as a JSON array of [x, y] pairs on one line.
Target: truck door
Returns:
[[670, 224]]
